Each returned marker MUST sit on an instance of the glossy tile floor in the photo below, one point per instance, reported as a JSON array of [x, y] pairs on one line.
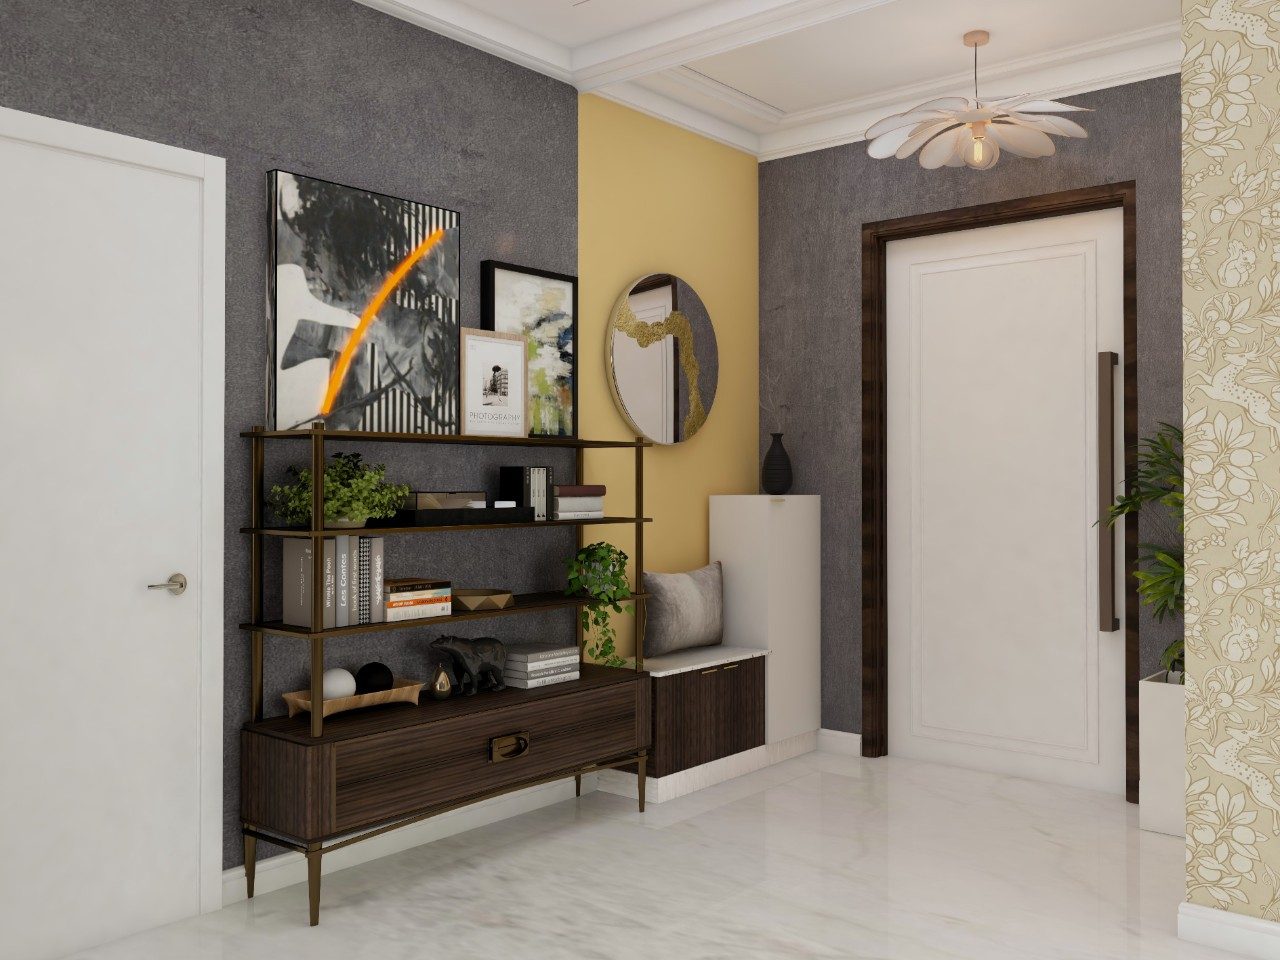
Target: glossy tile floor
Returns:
[[821, 856]]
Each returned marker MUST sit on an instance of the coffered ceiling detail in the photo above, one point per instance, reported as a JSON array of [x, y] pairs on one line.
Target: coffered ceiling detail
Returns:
[[777, 77]]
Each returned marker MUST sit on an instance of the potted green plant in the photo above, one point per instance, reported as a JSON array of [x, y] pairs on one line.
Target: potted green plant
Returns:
[[599, 571], [354, 492], [1161, 580]]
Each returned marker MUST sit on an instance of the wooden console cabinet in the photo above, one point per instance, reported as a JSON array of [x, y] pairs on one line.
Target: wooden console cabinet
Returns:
[[383, 768]]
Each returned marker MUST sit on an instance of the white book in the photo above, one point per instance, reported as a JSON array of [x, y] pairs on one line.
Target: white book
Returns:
[[418, 612], [522, 683], [572, 504], [545, 667], [579, 514]]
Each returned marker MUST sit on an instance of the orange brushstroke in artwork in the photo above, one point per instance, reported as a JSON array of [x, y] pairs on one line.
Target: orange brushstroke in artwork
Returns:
[[370, 314]]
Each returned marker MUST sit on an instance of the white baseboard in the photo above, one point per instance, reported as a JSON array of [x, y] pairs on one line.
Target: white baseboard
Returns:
[[287, 869], [838, 741], [1235, 932], [662, 789]]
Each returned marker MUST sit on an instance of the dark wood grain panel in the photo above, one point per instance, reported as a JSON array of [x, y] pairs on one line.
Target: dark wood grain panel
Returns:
[[286, 787], [704, 715], [465, 737], [875, 238], [466, 770]]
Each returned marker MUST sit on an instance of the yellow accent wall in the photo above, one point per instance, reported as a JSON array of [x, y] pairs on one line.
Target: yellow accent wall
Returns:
[[653, 198], [1231, 398]]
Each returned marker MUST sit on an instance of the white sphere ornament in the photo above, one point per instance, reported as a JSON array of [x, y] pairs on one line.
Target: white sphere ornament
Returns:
[[339, 683]]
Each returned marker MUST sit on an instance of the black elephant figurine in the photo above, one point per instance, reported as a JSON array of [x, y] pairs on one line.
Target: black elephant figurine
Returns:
[[477, 664]]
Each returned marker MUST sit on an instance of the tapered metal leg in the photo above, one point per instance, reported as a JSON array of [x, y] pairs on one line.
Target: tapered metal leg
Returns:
[[250, 863], [640, 768], [313, 884], [577, 785]]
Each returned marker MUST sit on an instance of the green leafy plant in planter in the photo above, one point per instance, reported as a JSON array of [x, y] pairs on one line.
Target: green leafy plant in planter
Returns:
[[1161, 572], [353, 493], [600, 572]]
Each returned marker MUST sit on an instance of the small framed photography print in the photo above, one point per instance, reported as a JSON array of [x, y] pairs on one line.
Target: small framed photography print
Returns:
[[494, 378]]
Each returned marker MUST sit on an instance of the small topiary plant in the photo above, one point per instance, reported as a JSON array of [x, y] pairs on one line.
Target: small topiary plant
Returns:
[[353, 493], [600, 571]]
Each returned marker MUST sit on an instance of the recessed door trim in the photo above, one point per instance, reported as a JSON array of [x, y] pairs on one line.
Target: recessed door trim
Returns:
[[206, 581], [875, 239]]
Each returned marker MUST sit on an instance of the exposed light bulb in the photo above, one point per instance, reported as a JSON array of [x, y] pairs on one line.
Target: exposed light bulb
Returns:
[[980, 153]]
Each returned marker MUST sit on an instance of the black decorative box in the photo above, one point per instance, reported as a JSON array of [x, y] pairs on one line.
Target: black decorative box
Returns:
[[448, 518]]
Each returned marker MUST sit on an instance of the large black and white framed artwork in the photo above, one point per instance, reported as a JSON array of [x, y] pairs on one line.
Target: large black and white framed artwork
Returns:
[[542, 307], [363, 293]]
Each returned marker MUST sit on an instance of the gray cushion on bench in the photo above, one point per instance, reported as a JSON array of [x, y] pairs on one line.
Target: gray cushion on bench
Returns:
[[683, 610]]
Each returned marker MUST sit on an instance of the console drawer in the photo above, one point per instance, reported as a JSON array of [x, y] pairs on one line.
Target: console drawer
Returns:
[[392, 774]]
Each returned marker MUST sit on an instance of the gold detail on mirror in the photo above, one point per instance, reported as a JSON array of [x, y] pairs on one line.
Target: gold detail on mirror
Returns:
[[675, 325]]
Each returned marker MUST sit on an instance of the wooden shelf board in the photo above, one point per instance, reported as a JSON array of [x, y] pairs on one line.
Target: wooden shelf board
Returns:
[[442, 528], [373, 436], [524, 603], [359, 723]]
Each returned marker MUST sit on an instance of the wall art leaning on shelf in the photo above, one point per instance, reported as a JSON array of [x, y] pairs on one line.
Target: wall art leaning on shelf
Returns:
[[363, 298], [543, 308], [494, 379]]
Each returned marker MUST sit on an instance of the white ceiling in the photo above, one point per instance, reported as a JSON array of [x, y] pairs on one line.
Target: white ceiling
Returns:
[[775, 77]]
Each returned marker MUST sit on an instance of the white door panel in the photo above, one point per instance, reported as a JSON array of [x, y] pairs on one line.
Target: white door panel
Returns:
[[995, 659], [105, 260]]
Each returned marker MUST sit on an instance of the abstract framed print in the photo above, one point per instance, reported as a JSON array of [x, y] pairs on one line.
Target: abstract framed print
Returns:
[[543, 308], [363, 296], [494, 383]]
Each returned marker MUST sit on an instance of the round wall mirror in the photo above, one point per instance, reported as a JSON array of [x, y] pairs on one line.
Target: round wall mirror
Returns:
[[663, 361]]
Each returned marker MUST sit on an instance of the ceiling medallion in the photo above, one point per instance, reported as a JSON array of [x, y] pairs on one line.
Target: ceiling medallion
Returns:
[[959, 132]]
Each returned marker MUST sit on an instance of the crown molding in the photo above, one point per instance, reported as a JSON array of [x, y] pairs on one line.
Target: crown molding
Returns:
[[482, 31], [662, 107], [705, 31], [698, 82], [1125, 58]]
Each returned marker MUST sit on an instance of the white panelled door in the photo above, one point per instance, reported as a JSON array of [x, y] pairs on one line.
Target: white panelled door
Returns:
[[996, 661], [111, 259]]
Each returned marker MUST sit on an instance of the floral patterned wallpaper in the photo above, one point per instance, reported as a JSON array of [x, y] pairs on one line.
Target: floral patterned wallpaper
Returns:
[[1231, 397]]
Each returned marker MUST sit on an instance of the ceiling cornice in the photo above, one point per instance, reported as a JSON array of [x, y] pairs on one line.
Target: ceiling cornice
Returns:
[[616, 67], [477, 29]]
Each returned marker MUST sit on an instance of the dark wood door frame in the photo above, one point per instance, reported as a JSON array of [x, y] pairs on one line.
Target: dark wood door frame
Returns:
[[875, 239]]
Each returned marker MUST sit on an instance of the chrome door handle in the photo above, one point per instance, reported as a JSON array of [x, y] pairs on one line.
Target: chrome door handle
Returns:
[[176, 584]]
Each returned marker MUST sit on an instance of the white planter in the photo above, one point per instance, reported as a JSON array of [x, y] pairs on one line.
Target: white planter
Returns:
[[1162, 725]]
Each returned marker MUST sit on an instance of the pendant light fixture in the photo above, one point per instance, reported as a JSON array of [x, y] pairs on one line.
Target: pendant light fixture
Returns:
[[959, 132]]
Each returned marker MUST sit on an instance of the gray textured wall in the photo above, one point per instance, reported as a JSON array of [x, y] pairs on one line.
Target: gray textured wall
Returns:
[[335, 90], [812, 208]]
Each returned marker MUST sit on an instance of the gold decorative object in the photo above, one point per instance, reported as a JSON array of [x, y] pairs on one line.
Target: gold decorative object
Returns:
[[478, 599], [441, 686], [402, 691]]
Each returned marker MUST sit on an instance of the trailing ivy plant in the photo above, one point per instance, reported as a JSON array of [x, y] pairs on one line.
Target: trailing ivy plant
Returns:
[[1161, 573], [353, 491], [599, 571]]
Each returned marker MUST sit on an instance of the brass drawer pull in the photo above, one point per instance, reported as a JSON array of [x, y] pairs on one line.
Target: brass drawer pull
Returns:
[[732, 666], [509, 747], [712, 670]]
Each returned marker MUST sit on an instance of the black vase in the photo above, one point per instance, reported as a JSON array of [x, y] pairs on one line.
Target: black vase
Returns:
[[775, 475]]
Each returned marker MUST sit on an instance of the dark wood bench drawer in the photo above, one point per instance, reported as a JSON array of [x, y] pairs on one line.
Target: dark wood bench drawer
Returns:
[[702, 715], [389, 775]]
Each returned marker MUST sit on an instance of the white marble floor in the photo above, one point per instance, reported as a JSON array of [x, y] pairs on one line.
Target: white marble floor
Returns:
[[821, 856]]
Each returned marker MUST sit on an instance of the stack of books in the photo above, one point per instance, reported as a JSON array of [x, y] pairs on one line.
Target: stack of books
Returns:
[[530, 487], [353, 581], [531, 665], [413, 598], [579, 502]]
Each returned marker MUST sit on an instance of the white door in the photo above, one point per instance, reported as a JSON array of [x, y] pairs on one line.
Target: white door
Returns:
[[111, 259], [996, 660], [646, 376]]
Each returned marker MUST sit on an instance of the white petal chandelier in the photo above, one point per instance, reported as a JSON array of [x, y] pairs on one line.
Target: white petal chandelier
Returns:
[[957, 131]]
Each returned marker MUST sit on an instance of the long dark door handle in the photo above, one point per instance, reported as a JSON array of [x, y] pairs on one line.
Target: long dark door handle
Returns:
[[1107, 619]]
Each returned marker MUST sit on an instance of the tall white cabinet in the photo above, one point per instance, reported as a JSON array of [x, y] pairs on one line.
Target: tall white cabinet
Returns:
[[770, 550]]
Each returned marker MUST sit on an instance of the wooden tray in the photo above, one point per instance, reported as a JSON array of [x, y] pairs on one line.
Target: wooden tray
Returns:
[[477, 599], [402, 691]]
